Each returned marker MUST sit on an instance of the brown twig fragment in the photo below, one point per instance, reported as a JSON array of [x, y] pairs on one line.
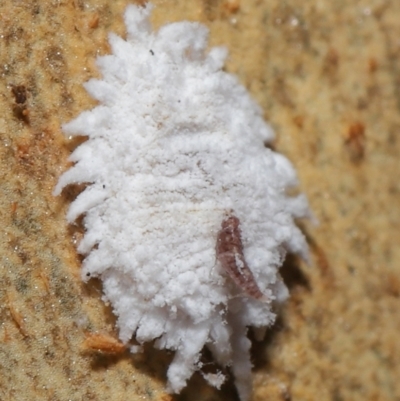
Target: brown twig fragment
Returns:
[[103, 343]]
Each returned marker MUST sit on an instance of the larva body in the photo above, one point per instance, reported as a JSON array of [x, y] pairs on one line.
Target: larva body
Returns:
[[175, 142]]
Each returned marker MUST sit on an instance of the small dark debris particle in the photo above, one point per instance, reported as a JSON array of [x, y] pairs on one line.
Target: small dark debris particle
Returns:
[[332, 60], [20, 108], [19, 92], [372, 65], [151, 52]]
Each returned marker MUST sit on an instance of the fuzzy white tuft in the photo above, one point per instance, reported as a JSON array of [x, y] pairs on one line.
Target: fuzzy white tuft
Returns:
[[174, 145]]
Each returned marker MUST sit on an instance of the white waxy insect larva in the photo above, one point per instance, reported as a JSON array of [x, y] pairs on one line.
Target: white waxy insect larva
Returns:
[[175, 142]]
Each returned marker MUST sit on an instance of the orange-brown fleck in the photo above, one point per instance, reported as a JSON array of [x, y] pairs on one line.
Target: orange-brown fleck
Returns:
[[93, 21], [6, 336], [23, 151], [298, 121], [331, 63], [16, 316], [392, 285], [166, 397], [45, 280], [372, 65], [231, 6], [322, 260], [355, 141]]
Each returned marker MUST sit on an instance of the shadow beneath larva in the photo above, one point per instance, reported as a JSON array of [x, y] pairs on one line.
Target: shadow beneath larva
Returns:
[[154, 363], [292, 274], [100, 361], [296, 281], [199, 390]]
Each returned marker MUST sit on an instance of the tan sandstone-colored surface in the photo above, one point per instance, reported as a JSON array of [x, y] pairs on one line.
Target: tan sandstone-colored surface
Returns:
[[327, 74]]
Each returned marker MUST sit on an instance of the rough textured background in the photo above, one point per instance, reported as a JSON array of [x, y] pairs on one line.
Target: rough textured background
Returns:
[[327, 75]]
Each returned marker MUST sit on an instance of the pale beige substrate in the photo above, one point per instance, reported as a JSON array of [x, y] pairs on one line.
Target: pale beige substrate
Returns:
[[327, 75]]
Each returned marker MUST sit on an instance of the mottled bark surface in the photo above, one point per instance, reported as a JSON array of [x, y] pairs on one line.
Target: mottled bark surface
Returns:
[[327, 76]]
